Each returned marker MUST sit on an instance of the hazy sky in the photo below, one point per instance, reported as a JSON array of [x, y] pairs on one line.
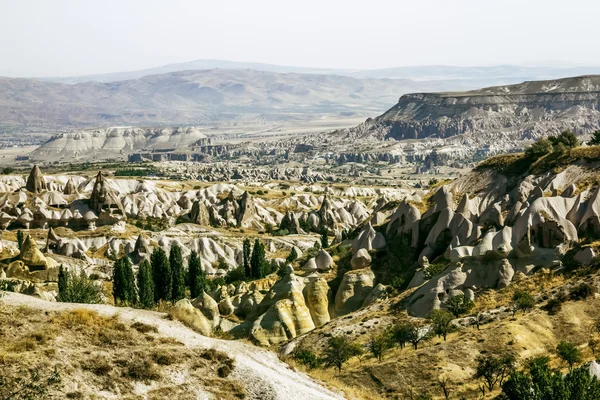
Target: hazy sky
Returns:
[[77, 37]]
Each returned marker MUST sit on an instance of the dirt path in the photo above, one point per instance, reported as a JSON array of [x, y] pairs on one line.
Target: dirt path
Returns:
[[265, 376]]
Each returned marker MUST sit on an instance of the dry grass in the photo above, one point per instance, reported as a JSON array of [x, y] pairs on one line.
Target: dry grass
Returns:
[[402, 372], [99, 353]]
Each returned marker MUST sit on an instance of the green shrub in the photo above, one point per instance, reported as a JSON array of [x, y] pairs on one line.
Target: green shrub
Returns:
[[523, 301], [433, 270], [459, 305], [79, 289], [582, 291], [307, 358]]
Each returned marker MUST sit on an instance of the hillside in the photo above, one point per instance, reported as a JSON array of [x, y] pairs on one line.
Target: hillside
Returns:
[[110, 352], [192, 97], [508, 113]]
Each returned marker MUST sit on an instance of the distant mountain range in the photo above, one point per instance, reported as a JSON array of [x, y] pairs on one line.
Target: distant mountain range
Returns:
[[213, 91], [488, 75], [197, 97]]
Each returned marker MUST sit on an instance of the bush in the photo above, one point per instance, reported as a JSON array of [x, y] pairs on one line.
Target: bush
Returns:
[[433, 270], [78, 289], [582, 291], [307, 358], [553, 306], [522, 301], [459, 305], [339, 350], [539, 149], [380, 343], [142, 369], [569, 353]]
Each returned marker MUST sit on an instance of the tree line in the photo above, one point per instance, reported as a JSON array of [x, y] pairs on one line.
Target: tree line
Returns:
[[165, 278]]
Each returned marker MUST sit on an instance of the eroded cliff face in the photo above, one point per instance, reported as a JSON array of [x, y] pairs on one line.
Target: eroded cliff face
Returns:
[[519, 112]]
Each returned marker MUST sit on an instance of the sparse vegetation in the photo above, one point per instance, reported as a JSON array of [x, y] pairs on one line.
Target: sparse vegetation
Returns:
[[78, 288], [459, 304], [339, 350]]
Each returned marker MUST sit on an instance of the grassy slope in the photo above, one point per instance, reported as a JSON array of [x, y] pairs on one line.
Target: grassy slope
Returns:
[[95, 354], [403, 371]]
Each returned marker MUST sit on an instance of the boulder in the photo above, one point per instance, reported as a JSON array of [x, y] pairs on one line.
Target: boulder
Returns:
[[185, 312], [324, 261], [199, 214], [353, 290], [209, 307], [379, 293], [585, 256], [505, 274], [286, 318], [361, 259], [32, 256]]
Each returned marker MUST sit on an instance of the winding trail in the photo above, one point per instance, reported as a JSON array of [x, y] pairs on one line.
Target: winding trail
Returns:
[[263, 374]]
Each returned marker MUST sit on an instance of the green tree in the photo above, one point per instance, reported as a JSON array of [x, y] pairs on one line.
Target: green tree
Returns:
[[324, 239], [569, 353], [258, 262], [145, 284], [403, 333], [247, 251], [176, 264], [63, 283], [80, 289], [493, 369], [235, 275], [441, 321], [380, 343], [124, 282], [543, 383], [539, 149], [197, 275], [595, 141], [20, 239], [293, 256], [522, 300], [565, 141], [161, 274], [339, 350], [459, 304]]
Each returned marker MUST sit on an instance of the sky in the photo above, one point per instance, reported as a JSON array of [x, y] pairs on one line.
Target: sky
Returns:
[[79, 37]]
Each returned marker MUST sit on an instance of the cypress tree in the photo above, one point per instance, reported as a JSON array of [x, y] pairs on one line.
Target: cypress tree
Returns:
[[197, 275], [63, 283], [146, 284], [161, 274], [118, 281], [293, 256], [258, 261], [176, 263], [247, 250], [324, 239], [20, 239], [129, 291]]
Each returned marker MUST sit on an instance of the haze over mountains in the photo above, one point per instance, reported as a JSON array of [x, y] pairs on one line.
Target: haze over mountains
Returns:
[[214, 92], [490, 74]]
